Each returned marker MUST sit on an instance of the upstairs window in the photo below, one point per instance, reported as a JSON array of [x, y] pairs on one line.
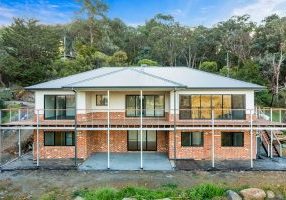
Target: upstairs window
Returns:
[[101, 100], [59, 107], [153, 106], [224, 106]]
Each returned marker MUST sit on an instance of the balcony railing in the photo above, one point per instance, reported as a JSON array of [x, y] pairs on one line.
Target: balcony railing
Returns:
[[121, 117]]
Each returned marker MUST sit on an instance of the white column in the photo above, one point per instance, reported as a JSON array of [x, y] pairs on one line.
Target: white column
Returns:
[[251, 140], [175, 128], [271, 144], [213, 141], [108, 131], [38, 146], [19, 142], [141, 131]]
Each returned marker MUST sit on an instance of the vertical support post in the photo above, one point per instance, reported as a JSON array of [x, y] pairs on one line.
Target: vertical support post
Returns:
[[213, 141], [141, 131], [271, 114], [108, 131], [10, 115], [38, 146], [19, 143], [19, 134], [251, 139], [75, 130], [280, 115], [271, 144], [175, 129]]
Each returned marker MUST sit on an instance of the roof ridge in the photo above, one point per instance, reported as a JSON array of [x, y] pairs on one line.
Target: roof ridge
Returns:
[[98, 76], [158, 77]]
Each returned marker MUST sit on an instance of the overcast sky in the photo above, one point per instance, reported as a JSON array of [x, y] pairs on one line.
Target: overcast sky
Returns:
[[136, 12]]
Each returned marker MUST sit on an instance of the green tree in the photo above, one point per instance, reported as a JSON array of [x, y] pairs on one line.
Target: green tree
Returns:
[[209, 66], [29, 49], [119, 58]]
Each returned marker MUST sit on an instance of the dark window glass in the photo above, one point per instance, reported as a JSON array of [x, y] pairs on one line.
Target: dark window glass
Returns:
[[153, 105], [59, 107], [195, 139], [185, 107], [49, 139], [101, 100], [238, 106], [59, 139], [50, 104], [232, 139], [149, 140]]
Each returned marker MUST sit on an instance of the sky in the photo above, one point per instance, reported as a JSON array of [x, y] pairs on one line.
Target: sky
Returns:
[[136, 12]]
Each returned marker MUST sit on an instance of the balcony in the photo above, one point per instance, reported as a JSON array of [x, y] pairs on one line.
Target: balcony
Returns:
[[119, 119]]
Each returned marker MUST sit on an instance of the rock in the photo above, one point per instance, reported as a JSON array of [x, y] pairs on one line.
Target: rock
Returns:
[[231, 195], [253, 194], [270, 194]]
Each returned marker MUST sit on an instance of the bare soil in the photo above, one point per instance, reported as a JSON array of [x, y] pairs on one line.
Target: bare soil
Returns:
[[62, 184]]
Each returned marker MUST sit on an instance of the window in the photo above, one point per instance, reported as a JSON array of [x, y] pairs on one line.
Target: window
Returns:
[[153, 105], [232, 139], [59, 106], [194, 139], [59, 138], [224, 106], [101, 100]]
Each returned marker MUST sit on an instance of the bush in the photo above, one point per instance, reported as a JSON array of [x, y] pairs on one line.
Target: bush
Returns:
[[205, 191], [201, 192], [209, 66]]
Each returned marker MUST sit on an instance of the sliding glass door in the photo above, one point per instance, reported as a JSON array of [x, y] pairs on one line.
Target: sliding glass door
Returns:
[[149, 140]]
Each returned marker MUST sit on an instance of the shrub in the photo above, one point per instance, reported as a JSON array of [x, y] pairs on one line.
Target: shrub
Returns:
[[205, 191], [209, 66], [147, 62]]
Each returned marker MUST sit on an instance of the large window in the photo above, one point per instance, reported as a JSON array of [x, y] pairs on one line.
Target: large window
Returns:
[[59, 138], [101, 100], [59, 107], [153, 106], [194, 139], [201, 106], [232, 139], [149, 140]]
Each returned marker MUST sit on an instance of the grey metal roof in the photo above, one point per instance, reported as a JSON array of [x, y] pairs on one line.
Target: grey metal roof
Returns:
[[146, 77]]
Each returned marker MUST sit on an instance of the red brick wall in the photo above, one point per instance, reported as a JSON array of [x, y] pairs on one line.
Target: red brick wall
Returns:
[[48, 152], [92, 141], [205, 152]]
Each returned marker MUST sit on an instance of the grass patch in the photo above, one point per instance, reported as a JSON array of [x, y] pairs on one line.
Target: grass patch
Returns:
[[200, 192]]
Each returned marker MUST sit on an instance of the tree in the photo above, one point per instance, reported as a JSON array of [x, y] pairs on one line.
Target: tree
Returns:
[[209, 66], [119, 58], [93, 9], [29, 49]]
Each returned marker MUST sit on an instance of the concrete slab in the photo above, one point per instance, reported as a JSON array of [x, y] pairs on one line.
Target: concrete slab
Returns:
[[127, 161]]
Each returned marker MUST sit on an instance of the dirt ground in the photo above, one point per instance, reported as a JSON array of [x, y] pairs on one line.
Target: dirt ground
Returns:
[[36, 183]]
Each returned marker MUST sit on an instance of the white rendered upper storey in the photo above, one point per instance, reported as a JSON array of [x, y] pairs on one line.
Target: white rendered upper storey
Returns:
[[193, 89]]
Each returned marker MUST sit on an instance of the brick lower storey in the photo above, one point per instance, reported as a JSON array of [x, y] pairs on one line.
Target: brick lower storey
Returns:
[[89, 142]]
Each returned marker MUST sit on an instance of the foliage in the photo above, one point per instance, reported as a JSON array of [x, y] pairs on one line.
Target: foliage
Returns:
[[237, 47], [200, 192], [29, 49], [209, 66], [147, 62]]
